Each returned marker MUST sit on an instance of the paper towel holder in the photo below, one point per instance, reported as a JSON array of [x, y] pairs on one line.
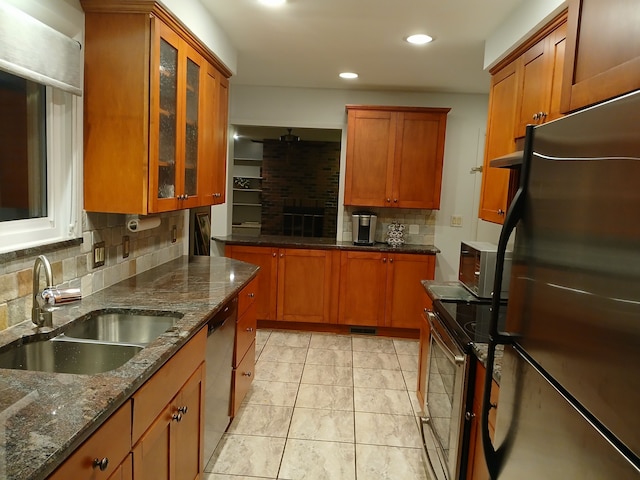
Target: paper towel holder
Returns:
[[138, 224]]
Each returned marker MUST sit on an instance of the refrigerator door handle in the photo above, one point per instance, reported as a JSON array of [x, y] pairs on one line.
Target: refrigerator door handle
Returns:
[[492, 456]]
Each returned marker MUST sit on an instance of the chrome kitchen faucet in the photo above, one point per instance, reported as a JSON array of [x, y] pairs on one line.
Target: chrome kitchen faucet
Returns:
[[39, 315]]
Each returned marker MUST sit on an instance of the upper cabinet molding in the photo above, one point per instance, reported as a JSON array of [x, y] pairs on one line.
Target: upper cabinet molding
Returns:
[[152, 7]]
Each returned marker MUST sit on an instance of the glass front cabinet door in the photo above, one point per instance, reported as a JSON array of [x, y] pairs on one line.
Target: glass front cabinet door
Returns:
[[174, 138]]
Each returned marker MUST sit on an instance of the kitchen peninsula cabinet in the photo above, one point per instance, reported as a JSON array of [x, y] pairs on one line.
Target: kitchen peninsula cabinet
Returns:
[[155, 112], [394, 156], [383, 289], [603, 52], [298, 282]]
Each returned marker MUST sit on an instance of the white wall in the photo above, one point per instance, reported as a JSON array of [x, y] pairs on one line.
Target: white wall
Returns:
[[200, 21], [527, 19], [325, 108]]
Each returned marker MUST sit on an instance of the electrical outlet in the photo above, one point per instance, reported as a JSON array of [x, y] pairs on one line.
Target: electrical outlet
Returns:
[[98, 254], [456, 220], [126, 245]]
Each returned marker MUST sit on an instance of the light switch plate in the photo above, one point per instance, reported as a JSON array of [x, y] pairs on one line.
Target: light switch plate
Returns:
[[456, 220], [98, 254]]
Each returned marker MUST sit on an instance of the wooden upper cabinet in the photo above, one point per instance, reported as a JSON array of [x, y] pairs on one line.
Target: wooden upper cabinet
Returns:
[[500, 141], [154, 100], [394, 156], [525, 89], [603, 51], [541, 68]]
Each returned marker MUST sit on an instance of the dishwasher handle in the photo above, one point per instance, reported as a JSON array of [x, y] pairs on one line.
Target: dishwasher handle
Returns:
[[229, 311]]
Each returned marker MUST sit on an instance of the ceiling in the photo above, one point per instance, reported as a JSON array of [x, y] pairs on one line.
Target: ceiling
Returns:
[[306, 43]]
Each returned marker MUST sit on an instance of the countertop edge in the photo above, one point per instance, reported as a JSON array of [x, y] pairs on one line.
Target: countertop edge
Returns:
[[321, 244], [168, 346]]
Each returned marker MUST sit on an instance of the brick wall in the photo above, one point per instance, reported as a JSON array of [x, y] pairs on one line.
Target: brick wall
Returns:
[[302, 174]]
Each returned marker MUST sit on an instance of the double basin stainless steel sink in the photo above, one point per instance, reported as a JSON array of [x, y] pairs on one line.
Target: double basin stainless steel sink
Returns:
[[99, 342]]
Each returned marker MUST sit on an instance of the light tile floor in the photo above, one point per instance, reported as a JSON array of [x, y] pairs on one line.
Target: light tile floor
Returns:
[[326, 406]]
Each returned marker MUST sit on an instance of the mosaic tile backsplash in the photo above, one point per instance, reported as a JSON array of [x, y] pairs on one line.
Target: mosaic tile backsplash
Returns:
[[72, 262]]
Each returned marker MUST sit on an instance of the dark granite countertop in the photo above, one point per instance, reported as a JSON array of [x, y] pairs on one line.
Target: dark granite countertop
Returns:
[[320, 243], [46, 416], [454, 291]]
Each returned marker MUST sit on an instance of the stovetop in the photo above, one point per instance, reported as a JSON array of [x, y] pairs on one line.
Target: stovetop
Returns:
[[468, 322]]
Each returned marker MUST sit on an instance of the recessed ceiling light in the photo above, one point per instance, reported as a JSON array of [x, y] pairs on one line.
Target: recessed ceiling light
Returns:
[[419, 39], [273, 3], [349, 75]]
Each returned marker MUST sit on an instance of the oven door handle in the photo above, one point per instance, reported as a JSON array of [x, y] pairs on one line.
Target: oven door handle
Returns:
[[457, 359]]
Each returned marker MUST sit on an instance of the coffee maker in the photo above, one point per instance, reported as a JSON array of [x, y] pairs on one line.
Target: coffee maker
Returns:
[[364, 227]]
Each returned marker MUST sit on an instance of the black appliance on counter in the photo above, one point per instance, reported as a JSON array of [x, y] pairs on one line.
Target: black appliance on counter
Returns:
[[457, 321], [570, 383]]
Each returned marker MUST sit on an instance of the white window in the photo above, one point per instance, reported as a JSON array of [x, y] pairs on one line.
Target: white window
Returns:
[[41, 125]]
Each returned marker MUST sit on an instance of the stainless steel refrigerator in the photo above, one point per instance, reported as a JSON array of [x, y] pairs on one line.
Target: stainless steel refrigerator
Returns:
[[569, 405]]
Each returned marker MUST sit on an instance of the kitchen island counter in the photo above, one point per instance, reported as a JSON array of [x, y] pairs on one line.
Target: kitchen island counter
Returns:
[[46, 416], [282, 241]]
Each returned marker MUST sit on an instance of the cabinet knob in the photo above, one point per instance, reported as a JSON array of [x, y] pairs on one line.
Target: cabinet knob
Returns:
[[388, 200], [177, 417], [101, 464], [384, 260], [274, 254], [391, 260], [184, 409], [282, 255], [543, 114], [246, 374], [249, 329], [500, 211], [536, 116], [395, 200], [251, 295]]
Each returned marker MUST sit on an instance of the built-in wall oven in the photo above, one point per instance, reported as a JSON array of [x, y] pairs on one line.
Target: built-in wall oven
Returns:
[[455, 327]]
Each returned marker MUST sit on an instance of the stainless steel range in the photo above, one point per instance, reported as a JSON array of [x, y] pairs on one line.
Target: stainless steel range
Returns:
[[455, 327]]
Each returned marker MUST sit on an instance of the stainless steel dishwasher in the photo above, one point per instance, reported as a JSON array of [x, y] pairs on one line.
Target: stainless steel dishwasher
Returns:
[[219, 368]]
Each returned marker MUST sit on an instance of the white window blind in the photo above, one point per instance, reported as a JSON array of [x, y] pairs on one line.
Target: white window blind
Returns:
[[32, 50]]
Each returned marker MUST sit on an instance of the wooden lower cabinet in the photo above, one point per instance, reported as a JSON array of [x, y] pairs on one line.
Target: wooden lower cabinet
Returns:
[[244, 353], [296, 285], [267, 259], [305, 279], [383, 289], [477, 467], [111, 444], [171, 448]]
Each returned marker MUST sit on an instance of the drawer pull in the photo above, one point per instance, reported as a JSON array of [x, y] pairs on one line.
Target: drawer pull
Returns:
[[177, 417], [246, 374], [101, 464], [183, 410]]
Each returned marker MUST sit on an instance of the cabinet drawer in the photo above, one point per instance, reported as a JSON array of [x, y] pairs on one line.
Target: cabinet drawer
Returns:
[[154, 395], [242, 378], [112, 441], [245, 334], [247, 296]]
